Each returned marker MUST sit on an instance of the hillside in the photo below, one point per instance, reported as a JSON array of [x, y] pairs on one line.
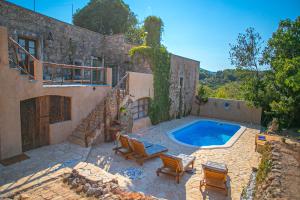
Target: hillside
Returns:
[[216, 79]]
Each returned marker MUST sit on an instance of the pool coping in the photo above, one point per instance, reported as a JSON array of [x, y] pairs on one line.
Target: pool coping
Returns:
[[228, 144]]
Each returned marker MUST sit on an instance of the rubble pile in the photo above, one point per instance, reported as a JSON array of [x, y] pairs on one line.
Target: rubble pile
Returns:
[[103, 189]]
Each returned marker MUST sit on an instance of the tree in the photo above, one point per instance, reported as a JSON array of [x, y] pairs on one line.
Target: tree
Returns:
[[247, 55], [283, 55], [105, 17], [229, 91], [154, 27], [136, 35]]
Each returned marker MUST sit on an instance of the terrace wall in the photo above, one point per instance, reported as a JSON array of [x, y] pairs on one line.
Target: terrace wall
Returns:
[[228, 109]]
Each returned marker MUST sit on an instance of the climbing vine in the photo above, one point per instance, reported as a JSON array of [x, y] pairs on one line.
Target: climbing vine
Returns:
[[159, 58], [160, 104]]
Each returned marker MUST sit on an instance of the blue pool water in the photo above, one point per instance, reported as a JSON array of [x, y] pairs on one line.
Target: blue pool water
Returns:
[[205, 133]]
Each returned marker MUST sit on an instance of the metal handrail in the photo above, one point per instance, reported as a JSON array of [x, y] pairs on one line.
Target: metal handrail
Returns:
[[67, 66]]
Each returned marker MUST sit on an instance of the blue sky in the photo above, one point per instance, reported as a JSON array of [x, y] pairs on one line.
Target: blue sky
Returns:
[[198, 29]]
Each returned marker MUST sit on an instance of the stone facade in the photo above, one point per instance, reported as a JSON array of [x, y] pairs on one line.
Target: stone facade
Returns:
[[141, 64], [183, 82], [61, 42]]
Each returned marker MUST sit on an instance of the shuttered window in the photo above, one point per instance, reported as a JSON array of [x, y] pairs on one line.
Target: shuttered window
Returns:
[[60, 109]]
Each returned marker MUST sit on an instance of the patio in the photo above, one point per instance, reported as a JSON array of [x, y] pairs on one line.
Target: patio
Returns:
[[49, 161]]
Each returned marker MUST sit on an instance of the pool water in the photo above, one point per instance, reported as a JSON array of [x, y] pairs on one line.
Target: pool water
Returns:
[[205, 133]]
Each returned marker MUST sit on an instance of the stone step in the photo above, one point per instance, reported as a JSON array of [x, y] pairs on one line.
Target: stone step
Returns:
[[75, 140], [79, 134], [81, 127]]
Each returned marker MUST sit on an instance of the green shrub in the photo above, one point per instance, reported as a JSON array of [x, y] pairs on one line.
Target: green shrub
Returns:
[[265, 165]]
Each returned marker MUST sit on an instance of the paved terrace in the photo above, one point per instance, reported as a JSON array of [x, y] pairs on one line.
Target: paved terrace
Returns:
[[50, 161]]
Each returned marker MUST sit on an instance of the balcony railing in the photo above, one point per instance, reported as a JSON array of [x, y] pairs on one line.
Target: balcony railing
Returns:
[[54, 73]]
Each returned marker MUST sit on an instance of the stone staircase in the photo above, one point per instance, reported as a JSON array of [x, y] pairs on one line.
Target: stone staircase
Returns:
[[90, 127], [95, 126]]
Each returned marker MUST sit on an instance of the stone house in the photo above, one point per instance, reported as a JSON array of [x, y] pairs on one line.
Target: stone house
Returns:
[[59, 81]]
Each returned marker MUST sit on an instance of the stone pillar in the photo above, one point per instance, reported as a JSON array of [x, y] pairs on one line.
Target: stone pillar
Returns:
[[3, 46], [109, 76], [3, 63]]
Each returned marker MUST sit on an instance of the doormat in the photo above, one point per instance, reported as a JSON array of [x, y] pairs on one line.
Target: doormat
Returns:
[[13, 160]]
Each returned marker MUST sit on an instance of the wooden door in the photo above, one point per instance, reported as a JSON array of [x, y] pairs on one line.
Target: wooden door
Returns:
[[35, 122], [28, 125], [42, 108]]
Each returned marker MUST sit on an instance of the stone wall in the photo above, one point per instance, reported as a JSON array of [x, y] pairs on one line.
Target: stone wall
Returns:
[[61, 42], [141, 64], [182, 99], [228, 109], [281, 178]]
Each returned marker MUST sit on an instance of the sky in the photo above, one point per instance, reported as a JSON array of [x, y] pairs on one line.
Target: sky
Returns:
[[197, 29]]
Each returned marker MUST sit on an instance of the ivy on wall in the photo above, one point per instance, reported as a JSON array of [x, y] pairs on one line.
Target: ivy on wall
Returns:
[[160, 105], [159, 58]]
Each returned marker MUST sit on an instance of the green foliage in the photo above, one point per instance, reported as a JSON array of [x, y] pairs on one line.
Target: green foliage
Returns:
[[246, 55], [229, 91], [136, 35], [142, 50], [160, 105], [283, 55], [202, 96], [225, 84], [265, 165], [105, 16], [160, 60], [154, 27], [204, 91]]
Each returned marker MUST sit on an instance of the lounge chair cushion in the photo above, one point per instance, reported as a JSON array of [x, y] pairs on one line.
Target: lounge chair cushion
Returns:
[[186, 159], [220, 167], [146, 144], [124, 150], [154, 149], [183, 159]]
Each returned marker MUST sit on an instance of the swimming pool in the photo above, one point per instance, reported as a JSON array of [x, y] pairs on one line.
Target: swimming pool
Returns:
[[207, 134]]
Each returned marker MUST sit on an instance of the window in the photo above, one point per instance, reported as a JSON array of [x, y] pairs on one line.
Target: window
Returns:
[[77, 72], [25, 61], [60, 109], [98, 75], [140, 108]]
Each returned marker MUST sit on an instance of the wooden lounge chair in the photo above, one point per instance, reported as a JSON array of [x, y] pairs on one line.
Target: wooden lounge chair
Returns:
[[215, 175], [175, 165], [141, 153], [124, 149]]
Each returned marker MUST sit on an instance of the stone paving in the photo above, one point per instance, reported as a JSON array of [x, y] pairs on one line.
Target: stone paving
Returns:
[[45, 163], [49, 161], [240, 158]]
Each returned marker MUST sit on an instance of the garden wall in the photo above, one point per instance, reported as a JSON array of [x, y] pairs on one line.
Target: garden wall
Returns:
[[228, 109]]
